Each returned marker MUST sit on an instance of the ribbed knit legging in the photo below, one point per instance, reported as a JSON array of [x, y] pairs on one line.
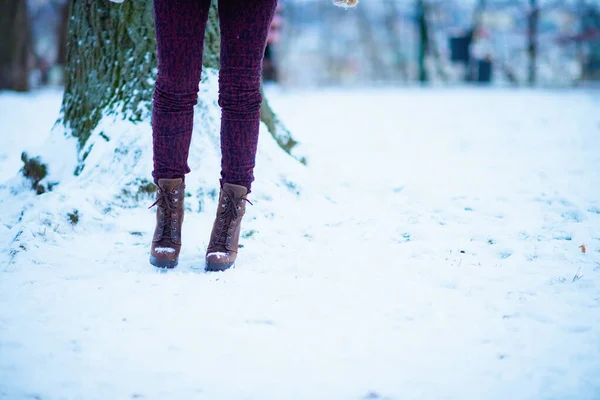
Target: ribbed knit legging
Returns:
[[180, 26]]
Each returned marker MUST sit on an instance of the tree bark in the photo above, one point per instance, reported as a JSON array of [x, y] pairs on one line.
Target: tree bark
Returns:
[[15, 45], [111, 59]]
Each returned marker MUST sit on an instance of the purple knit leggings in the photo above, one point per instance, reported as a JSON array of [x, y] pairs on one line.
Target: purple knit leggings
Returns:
[[180, 26]]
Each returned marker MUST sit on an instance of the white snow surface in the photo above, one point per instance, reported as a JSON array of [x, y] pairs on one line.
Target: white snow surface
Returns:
[[430, 250], [164, 250], [217, 254]]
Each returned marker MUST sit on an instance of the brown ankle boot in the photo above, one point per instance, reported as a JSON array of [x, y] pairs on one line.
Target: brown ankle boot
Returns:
[[166, 242], [224, 239]]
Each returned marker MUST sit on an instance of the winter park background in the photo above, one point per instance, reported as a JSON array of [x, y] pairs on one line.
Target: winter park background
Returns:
[[426, 219]]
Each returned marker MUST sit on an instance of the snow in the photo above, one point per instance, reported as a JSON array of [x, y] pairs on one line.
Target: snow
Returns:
[[217, 254], [431, 249], [162, 250]]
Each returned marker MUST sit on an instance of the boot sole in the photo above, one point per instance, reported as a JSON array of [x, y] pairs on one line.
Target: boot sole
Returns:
[[163, 264], [218, 267]]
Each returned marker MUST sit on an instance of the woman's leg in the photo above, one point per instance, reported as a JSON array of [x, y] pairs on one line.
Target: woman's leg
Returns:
[[180, 26], [244, 29]]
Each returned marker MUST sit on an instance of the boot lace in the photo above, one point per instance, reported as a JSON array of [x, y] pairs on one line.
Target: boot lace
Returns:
[[167, 203], [230, 214]]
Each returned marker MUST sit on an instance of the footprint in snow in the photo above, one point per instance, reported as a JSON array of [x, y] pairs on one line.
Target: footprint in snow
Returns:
[[594, 209], [555, 200], [562, 236], [572, 216], [578, 329], [504, 254]]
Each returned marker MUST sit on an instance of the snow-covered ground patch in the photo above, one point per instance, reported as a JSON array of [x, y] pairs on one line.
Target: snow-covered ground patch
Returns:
[[432, 249]]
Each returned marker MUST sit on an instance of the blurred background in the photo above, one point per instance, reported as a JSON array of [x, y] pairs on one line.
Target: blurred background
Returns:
[[495, 42], [505, 42]]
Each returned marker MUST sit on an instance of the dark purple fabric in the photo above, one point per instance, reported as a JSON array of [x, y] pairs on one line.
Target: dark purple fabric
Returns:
[[180, 26]]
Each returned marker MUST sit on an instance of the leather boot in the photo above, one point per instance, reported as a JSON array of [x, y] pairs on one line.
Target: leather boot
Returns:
[[166, 242], [224, 240]]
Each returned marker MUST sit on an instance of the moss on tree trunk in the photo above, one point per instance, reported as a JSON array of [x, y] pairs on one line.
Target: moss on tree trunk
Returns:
[[111, 63]]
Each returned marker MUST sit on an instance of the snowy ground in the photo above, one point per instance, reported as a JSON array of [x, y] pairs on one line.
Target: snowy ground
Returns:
[[431, 250]]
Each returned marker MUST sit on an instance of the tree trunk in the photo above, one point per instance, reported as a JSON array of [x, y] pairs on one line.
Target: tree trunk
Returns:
[[392, 16], [437, 57], [579, 47], [111, 65], [379, 71], [63, 34], [532, 28], [423, 40], [15, 45]]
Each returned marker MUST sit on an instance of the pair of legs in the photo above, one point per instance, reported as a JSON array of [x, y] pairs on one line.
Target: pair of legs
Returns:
[[180, 27]]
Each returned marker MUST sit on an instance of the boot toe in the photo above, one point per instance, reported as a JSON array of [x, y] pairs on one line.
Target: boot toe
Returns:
[[164, 257], [219, 261]]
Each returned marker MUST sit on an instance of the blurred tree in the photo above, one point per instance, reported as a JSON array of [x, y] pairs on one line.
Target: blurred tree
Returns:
[[270, 68], [372, 45], [588, 40], [423, 50], [111, 66], [532, 29], [63, 32], [392, 16], [15, 45]]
